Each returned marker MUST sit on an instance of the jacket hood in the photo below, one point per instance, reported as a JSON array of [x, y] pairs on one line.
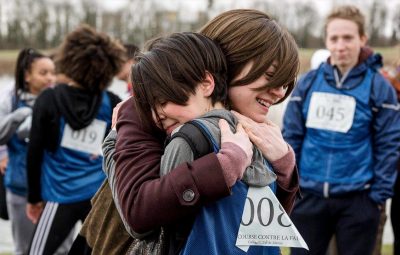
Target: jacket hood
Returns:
[[212, 117], [78, 106], [215, 115], [366, 60]]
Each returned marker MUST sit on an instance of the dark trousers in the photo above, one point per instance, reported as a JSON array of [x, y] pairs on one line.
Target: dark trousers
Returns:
[[395, 216], [353, 218], [55, 224], [3, 202]]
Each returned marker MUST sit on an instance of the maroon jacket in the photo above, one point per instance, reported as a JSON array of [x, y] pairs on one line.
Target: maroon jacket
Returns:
[[148, 201]]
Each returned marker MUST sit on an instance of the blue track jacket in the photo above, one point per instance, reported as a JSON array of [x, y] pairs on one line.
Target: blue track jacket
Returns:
[[364, 157]]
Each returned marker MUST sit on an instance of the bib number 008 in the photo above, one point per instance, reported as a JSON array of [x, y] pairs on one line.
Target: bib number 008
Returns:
[[267, 202]]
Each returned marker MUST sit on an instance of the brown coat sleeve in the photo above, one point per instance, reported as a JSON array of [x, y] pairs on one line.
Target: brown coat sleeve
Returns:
[[288, 180], [287, 194], [148, 201]]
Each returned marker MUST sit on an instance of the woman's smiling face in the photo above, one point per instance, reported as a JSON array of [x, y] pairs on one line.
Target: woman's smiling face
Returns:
[[251, 102]]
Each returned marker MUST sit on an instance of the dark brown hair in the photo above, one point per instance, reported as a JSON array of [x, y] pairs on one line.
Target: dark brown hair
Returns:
[[90, 58], [25, 59], [131, 50], [173, 67], [348, 12], [250, 36]]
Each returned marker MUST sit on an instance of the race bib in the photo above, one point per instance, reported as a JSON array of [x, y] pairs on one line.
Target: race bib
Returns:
[[331, 112], [265, 222], [88, 139]]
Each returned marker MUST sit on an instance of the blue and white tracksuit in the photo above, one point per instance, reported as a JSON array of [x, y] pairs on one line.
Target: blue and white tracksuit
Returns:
[[345, 171], [69, 179], [365, 157], [70, 175]]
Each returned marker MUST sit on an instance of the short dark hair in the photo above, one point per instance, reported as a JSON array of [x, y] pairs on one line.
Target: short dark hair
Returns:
[[130, 50], [172, 68], [90, 58]]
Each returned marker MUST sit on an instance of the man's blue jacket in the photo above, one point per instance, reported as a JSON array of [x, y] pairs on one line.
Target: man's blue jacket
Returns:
[[364, 157]]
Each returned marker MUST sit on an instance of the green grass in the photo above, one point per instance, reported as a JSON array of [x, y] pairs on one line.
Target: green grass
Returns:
[[8, 54], [387, 249], [390, 55], [389, 51]]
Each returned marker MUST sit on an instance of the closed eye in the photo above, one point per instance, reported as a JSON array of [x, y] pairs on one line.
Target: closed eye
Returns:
[[269, 75]]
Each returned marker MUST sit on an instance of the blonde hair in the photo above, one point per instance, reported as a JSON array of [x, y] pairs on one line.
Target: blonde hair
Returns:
[[348, 12], [245, 36]]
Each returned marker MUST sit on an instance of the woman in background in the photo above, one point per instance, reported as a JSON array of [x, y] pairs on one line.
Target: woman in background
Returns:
[[68, 127], [33, 73]]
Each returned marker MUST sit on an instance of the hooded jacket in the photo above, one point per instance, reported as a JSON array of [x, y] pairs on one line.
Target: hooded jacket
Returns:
[[54, 108], [361, 156], [212, 229], [15, 123]]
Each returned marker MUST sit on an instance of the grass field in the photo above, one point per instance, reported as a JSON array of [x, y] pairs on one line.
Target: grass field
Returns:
[[8, 58], [390, 55], [386, 250]]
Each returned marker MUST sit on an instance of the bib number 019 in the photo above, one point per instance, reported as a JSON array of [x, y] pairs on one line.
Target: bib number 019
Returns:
[[88, 139], [84, 135]]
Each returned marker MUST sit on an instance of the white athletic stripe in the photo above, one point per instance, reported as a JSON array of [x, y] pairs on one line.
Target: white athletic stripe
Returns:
[[295, 99], [391, 106], [48, 227], [39, 230], [44, 227]]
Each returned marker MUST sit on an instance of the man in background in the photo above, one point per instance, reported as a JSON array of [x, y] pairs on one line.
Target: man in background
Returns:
[[343, 122], [124, 73]]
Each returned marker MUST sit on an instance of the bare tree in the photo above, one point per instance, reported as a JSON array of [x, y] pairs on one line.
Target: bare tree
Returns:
[[42, 24], [1, 25], [395, 37], [90, 10], [306, 15], [15, 36], [377, 22]]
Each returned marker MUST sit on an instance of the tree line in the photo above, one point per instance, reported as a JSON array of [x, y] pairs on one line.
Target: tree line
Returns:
[[44, 23]]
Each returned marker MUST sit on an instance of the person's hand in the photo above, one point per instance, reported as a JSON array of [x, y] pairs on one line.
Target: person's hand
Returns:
[[94, 156], [3, 165], [33, 211], [115, 114], [240, 138], [266, 136]]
